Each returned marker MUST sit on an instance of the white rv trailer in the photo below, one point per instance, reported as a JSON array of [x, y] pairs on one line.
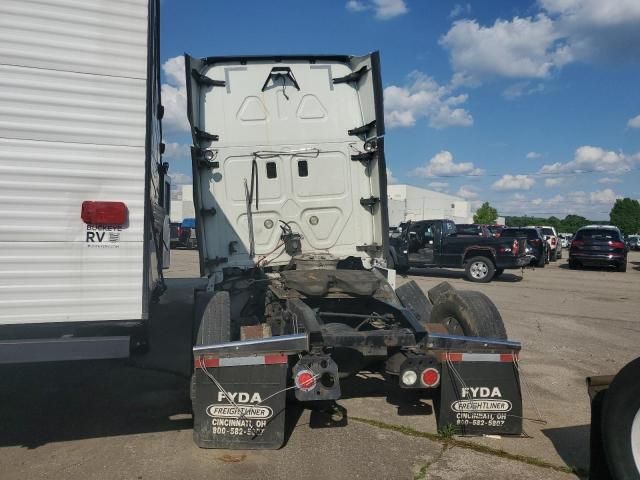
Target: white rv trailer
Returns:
[[84, 196]]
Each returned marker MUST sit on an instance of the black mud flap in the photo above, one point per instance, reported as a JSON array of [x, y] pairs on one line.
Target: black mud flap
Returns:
[[480, 394], [248, 412]]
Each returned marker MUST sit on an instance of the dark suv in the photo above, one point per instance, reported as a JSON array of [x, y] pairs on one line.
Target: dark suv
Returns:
[[535, 242], [598, 245]]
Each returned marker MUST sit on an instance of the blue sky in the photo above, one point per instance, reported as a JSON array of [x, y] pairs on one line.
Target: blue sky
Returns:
[[530, 105]]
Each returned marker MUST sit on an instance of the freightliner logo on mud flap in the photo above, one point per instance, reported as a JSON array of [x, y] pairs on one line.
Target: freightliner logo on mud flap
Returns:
[[481, 399], [244, 408]]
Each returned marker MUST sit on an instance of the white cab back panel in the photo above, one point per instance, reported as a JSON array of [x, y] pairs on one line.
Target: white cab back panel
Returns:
[[298, 141], [73, 85]]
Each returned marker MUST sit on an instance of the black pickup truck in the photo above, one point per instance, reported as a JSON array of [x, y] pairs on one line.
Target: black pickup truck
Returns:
[[436, 243]]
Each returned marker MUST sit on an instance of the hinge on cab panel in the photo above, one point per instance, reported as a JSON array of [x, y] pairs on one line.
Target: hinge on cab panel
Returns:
[[352, 77], [363, 129], [202, 163], [204, 80], [202, 135], [208, 211], [364, 157], [369, 202]]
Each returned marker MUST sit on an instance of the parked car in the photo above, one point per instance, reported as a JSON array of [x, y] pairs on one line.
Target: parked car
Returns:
[[395, 231], [472, 229], [598, 245], [565, 239], [536, 243], [633, 241], [496, 229], [550, 235], [436, 243]]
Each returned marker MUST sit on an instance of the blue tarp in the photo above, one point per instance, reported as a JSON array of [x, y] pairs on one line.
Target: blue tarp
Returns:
[[189, 223]]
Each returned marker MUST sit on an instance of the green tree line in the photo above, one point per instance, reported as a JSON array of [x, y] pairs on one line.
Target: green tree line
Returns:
[[568, 224], [625, 215]]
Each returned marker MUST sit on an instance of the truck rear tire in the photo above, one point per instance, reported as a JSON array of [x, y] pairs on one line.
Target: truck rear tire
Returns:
[[469, 313], [554, 255], [412, 297], [480, 269], [621, 423]]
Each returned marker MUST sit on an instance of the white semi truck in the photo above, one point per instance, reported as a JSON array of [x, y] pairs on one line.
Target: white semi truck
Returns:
[[290, 198], [84, 195]]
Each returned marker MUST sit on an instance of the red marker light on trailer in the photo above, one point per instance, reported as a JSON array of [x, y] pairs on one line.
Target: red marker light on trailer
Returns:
[[430, 377], [104, 213], [305, 380]]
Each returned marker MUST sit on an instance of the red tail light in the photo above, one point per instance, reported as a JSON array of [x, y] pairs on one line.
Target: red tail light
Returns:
[[104, 213], [516, 247], [430, 377], [553, 241], [617, 244], [577, 244], [305, 380]]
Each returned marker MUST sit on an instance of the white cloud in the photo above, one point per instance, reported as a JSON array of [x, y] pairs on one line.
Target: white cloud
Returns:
[[609, 180], [423, 97], [390, 178], [603, 197], [356, 6], [634, 122], [460, 10], [383, 9], [533, 155], [520, 48], [562, 32], [442, 164], [553, 182], [596, 29], [174, 96], [514, 182], [467, 192], [578, 197], [178, 178], [588, 158], [521, 89], [438, 186]]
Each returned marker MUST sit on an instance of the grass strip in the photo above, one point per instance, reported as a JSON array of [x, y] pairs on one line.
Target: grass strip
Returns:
[[452, 442]]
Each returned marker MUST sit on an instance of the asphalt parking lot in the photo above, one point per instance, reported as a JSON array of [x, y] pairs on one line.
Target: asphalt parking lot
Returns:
[[131, 420]]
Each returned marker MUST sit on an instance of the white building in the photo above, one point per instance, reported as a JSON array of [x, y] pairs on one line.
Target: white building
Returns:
[[407, 202], [182, 204]]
